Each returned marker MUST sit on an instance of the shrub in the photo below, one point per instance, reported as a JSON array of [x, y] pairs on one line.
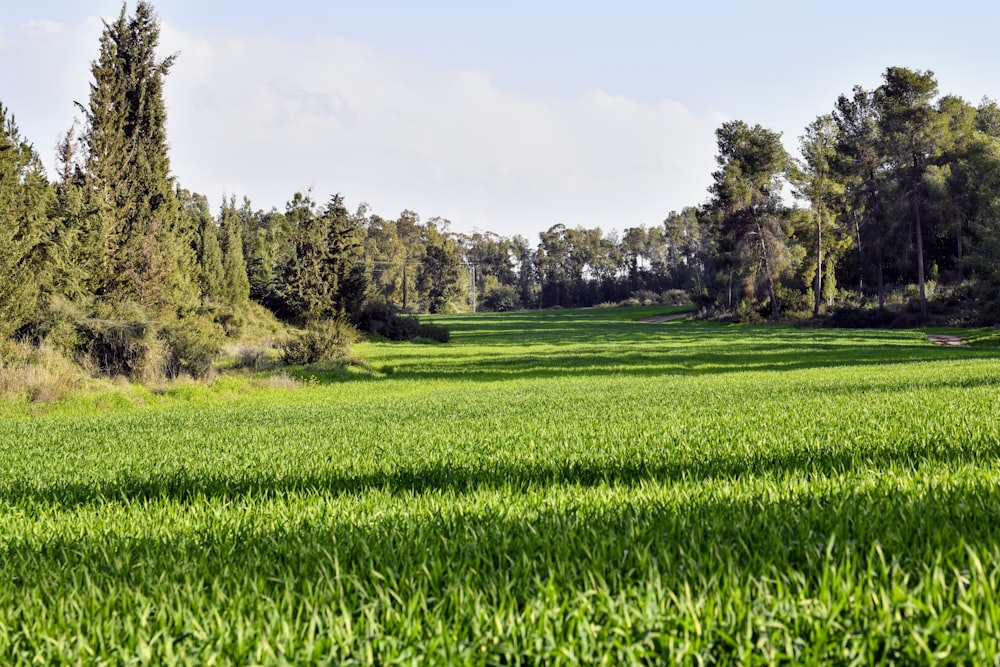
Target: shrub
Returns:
[[383, 320], [644, 297], [121, 348], [501, 299], [253, 358], [326, 340], [434, 332], [675, 297], [192, 345], [792, 301]]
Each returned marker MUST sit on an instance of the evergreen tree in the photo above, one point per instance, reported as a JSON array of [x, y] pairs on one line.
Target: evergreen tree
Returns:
[[814, 181], [344, 271], [304, 290], [147, 255], [25, 199], [77, 252], [440, 270], [747, 190], [859, 167], [211, 277], [911, 132], [236, 284]]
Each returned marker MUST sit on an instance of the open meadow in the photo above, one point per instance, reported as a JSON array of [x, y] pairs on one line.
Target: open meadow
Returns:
[[560, 487]]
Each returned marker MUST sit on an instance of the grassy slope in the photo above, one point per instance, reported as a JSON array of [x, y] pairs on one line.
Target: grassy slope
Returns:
[[569, 486]]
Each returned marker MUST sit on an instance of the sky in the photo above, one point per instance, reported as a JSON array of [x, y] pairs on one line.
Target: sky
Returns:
[[507, 117]]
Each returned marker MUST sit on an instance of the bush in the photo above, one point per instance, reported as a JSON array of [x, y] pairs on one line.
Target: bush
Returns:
[[383, 320], [434, 332], [501, 299], [327, 340], [121, 348], [644, 297], [192, 345], [675, 297], [252, 358], [794, 302]]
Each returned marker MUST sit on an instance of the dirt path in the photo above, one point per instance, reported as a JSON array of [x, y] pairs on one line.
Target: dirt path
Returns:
[[666, 318], [947, 340]]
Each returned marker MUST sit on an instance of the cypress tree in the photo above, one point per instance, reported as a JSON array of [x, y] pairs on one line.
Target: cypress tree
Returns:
[[146, 258], [211, 279], [25, 199], [345, 276], [304, 289], [234, 268]]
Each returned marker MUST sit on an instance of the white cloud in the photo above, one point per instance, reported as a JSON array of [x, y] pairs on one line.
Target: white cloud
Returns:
[[269, 118], [39, 27]]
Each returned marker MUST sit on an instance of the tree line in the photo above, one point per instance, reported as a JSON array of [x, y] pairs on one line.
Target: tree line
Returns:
[[896, 195]]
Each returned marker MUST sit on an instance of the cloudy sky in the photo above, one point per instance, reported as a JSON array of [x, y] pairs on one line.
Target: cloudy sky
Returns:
[[504, 116]]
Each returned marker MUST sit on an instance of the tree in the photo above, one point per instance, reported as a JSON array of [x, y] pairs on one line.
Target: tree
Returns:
[[25, 198], [747, 189], [304, 289], [267, 247], [911, 130], [441, 268], [211, 278], [815, 182], [860, 169], [345, 273], [147, 258], [236, 285]]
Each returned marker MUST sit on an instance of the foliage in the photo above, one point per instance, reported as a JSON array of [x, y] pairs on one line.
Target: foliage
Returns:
[[323, 341], [435, 332], [319, 280], [24, 227], [126, 348], [145, 238], [193, 343], [501, 299], [383, 319], [861, 318], [746, 190]]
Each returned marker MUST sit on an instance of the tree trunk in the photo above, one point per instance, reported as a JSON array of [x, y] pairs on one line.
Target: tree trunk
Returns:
[[775, 314], [861, 256], [729, 306], [961, 260], [818, 289], [881, 258], [920, 254]]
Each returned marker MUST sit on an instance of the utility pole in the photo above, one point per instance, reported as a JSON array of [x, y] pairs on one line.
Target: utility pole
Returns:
[[472, 282]]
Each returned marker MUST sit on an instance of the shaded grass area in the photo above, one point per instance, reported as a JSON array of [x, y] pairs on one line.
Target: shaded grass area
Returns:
[[560, 488]]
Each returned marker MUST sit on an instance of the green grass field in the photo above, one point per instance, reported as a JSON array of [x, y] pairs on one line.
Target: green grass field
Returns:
[[566, 487]]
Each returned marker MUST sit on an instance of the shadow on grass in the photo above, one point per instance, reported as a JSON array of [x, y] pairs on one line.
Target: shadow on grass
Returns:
[[677, 353], [484, 548], [445, 476]]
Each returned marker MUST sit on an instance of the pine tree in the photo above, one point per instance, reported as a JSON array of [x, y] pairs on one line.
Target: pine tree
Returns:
[[746, 189]]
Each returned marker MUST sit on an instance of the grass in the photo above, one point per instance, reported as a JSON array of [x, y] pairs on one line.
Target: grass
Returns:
[[559, 487]]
